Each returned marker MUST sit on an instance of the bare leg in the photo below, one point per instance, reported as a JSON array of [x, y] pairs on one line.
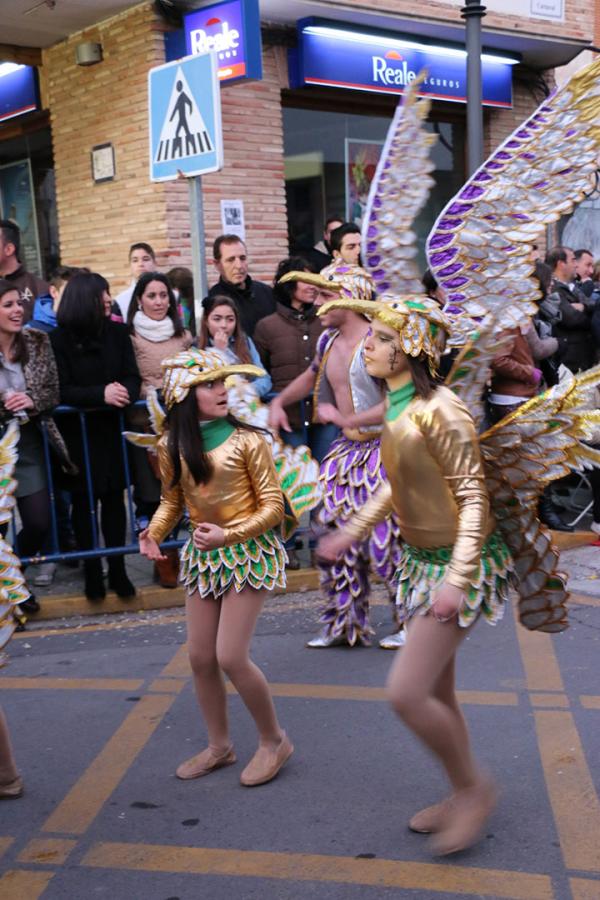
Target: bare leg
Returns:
[[8, 768], [421, 690], [202, 616], [239, 613]]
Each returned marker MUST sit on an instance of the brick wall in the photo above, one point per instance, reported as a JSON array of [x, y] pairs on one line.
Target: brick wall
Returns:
[[98, 104], [108, 102]]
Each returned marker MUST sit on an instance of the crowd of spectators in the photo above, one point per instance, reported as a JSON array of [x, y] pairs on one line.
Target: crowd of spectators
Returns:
[[68, 342]]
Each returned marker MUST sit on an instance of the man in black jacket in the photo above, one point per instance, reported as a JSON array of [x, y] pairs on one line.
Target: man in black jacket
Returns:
[[253, 298], [26, 283], [575, 311]]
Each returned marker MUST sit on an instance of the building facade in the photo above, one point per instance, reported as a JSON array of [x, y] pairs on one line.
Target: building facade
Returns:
[[299, 144]]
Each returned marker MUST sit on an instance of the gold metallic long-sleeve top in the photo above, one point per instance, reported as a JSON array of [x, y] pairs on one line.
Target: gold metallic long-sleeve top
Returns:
[[243, 495], [436, 483]]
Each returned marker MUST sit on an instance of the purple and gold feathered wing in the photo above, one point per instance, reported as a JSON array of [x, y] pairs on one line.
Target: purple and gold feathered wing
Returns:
[[12, 583], [480, 251]]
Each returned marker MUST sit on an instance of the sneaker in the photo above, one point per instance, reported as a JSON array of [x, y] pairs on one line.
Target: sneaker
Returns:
[[393, 641], [44, 575], [595, 527]]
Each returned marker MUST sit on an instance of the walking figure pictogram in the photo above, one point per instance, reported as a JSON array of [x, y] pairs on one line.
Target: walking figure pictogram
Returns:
[[183, 101]]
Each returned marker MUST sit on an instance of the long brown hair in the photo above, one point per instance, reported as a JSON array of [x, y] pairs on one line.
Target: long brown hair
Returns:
[[425, 383], [18, 349], [240, 341]]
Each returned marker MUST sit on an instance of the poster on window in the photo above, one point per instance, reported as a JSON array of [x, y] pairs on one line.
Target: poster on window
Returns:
[[17, 203], [361, 158], [232, 218]]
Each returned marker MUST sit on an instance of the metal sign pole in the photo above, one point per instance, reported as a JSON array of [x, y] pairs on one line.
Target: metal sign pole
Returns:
[[198, 246], [473, 12]]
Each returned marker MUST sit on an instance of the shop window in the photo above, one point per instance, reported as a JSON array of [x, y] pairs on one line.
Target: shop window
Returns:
[[28, 195], [330, 160]]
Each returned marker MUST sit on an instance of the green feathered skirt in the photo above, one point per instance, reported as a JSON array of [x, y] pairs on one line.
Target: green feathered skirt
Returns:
[[258, 563], [422, 571]]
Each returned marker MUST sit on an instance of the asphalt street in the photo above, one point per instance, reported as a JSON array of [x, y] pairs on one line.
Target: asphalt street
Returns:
[[101, 711]]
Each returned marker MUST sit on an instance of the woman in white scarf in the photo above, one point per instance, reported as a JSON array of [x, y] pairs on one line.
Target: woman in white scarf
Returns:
[[156, 334]]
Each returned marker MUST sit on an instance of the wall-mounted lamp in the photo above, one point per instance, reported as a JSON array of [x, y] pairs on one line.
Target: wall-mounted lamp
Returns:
[[88, 54]]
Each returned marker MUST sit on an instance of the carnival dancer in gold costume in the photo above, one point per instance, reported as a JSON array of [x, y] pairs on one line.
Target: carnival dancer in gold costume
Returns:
[[466, 502], [221, 470]]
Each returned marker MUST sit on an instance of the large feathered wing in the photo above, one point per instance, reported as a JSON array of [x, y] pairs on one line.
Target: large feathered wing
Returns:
[[544, 439], [398, 192], [480, 248], [12, 583]]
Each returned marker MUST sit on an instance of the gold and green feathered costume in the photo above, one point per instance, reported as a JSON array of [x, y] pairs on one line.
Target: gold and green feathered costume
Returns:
[[467, 501], [242, 496]]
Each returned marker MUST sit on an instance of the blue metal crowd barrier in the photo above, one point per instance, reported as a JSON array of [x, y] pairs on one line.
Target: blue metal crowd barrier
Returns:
[[58, 555]]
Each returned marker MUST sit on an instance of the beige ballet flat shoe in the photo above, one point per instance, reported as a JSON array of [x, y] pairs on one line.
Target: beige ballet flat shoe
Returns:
[[466, 816], [205, 762], [266, 763], [430, 819]]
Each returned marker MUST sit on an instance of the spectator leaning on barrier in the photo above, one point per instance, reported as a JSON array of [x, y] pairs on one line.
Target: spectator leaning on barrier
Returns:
[[97, 371], [253, 298], [220, 328], [141, 259], [574, 324], [28, 285], [157, 333], [29, 391]]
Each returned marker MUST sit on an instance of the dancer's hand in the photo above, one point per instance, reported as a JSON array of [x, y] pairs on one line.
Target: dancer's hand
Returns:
[[149, 547], [327, 412], [447, 601], [207, 536], [332, 546], [278, 417]]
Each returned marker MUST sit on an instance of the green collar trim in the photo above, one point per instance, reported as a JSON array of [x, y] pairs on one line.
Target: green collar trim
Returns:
[[398, 400], [215, 432]]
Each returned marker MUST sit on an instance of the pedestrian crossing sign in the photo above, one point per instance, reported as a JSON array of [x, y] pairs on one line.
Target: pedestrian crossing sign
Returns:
[[184, 102]]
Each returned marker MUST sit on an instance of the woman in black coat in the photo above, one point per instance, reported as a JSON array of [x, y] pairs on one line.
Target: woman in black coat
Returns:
[[97, 371]]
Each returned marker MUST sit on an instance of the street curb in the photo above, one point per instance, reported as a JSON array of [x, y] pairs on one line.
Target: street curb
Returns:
[[64, 606]]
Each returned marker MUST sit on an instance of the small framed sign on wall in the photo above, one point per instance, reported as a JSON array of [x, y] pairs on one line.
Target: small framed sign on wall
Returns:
[[103, 163]]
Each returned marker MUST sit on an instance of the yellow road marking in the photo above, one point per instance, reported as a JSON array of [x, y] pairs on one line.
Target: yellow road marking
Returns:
[[590, 702], [5, 843], [179, 666], [85, 799], [549, 700], [571, 790], [539, 660], [582, 889], [19, 885], [71, 684], [166, 685], [357, 692], [312, 867], [50, 851]]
